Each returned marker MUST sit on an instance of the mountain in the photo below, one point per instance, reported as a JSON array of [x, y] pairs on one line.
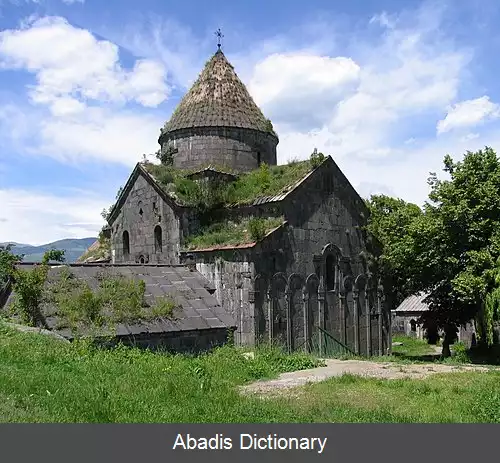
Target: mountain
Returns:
[[73, 248]]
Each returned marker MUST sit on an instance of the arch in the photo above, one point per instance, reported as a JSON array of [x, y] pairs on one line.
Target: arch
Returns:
[[347, 284], [125, 244], [331, 248], [279, 281], [295, 282], [360, 282], [312, 284], [158, 239]]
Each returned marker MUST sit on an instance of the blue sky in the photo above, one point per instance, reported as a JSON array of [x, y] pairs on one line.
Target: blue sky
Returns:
[[385, 87]]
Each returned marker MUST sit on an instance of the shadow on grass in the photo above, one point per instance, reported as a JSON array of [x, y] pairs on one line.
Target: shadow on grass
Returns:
[[424, 358], [483, 356]]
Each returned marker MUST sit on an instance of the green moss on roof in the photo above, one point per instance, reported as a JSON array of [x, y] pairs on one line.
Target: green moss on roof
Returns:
[[263, 182], [218, 98], [233, 233]]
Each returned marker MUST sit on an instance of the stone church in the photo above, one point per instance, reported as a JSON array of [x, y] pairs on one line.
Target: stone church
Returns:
[[305, 283]]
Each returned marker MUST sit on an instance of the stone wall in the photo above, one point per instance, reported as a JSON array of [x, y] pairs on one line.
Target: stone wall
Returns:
[[234, 148], [232, 276], [179, 341], [309, 273], [143, 211]]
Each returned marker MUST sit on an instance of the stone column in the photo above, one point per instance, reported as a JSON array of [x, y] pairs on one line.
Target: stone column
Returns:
[[380, 301], [355, 296], [368, 323], [321, 317], [307, 331], [289, 311], [342, 316], [270, 315], [251, 306]]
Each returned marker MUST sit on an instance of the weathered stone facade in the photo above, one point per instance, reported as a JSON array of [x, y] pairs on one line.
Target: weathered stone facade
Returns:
[[306, 284], [146, 229], [308, 276], [238, 149]]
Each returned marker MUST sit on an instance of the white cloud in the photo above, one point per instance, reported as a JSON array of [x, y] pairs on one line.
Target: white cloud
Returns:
[[80, 80], [468, 113], [69, 62], [37, 217], [98, 134], [372, 126], [305, 84]]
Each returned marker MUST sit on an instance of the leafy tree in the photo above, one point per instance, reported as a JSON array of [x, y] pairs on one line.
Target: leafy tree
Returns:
[[388, 230], [454, 250]]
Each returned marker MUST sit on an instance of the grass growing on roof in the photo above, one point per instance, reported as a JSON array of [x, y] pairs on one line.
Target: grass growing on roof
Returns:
[[116, 300], [264, 181], [233, 233]]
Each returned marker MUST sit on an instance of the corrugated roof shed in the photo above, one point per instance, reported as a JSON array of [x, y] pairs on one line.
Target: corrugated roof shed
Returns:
[[413, 304], [198, 309]]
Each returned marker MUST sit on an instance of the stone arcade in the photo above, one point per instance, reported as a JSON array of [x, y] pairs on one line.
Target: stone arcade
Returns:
[[306, 283]]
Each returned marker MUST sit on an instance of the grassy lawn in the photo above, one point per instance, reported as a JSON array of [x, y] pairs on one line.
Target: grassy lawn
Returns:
[[43, 380], [413, 349]]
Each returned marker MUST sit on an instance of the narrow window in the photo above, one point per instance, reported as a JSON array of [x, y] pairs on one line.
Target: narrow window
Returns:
[[259, 160], [158, 239], [330, 273], [126, 244]]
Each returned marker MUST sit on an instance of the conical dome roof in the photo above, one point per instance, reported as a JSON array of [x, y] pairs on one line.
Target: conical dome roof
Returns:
[[218, 98]]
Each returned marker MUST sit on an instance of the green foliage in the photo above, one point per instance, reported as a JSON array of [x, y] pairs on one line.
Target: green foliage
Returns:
[[228, 233], [28, 286], [116, 300], [264, 181], [460, 352], [391, 245], [452, 249], [8, 261], [44, 380], [460, 244], [316, 158], [258, 227]]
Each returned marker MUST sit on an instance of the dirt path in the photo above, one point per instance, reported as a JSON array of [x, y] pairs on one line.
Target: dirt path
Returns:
[[355, 367]]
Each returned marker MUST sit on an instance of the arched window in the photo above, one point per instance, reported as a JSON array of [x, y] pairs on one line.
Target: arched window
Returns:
[[158, 239], [330, 273], [126, 244], [413, 325]]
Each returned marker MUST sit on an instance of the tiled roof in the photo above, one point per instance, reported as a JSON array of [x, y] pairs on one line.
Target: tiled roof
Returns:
[[413, 304], [198, 308], [218, 98]]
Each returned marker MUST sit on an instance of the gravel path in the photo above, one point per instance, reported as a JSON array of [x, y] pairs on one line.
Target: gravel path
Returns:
[[335, 367]]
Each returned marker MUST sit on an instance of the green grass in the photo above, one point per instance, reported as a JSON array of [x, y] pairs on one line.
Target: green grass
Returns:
[[232, 233], [265, 181], [411, 347], [43, 380]]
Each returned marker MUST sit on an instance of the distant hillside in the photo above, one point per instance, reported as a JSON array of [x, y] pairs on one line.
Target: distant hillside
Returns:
[[73, 248]]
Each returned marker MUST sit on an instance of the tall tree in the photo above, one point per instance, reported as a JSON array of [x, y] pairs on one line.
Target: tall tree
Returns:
[[389, 229], [455, 247]]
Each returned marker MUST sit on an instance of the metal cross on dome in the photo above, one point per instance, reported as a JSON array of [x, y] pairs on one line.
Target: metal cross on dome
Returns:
[[219, 35]]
